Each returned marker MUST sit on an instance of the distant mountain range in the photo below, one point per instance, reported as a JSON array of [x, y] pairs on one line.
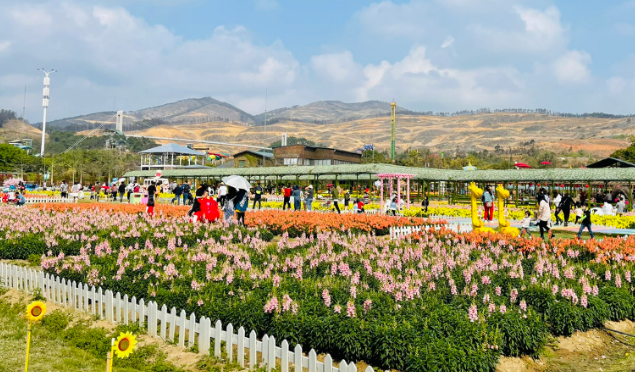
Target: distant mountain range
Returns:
[[204, 110]]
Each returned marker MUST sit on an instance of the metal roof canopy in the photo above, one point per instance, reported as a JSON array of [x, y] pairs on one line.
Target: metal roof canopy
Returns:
[[609, 162], [171, 148], [428, 174]]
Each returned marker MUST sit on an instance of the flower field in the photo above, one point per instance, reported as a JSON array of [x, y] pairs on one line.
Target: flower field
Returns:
[[437, 301]]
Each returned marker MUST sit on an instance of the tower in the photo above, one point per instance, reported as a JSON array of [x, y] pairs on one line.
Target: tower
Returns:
[[119, 122], [393, 119]]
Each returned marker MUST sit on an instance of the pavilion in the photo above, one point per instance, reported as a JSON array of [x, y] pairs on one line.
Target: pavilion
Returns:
[[163, 158]]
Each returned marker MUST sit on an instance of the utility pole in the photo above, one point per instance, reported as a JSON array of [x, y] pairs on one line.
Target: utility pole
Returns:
[[393, 119]]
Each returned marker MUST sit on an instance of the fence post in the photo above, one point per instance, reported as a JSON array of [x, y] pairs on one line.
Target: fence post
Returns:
[[218, 330], [312, 361], [229, 345], [163, 317], [182, 322], [252, 350], [297, 355], [192, 328], [204, 336], [172, 322], [109, 306], [264, 351], [241, 347], [284, 356]]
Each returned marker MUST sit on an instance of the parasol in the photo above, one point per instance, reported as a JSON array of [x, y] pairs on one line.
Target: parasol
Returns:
[[237, 182], [522, 165]]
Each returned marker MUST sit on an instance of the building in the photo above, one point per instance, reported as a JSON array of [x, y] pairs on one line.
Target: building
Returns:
[[249, 158], [170, 156], [25, 144], [310, 155], [611, 163]]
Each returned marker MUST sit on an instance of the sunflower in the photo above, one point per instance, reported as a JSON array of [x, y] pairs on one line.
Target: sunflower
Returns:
[[35, 311], [125, 344]]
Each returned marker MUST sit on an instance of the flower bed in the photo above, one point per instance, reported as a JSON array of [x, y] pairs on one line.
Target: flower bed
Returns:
[[443, 301], [297, 223]]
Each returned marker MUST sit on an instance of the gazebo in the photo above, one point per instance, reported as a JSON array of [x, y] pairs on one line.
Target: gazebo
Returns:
[[162, 157], [391, 177]]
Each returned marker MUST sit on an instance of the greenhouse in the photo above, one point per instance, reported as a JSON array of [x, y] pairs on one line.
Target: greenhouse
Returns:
[[438, 183]]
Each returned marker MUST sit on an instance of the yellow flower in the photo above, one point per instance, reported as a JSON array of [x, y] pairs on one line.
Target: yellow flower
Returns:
[[125, 344], [35, 311]]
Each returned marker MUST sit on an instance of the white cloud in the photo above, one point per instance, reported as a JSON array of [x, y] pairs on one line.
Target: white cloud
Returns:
[[336, 67], [616, 85], [4, 45], [447, 42], [572, 67], [266, 4], [102, 52]]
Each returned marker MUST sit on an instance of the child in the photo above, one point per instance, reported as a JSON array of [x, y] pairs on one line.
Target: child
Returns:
[[578, 212], [525, 224], [585, 221], [360, 206], [393, 207]]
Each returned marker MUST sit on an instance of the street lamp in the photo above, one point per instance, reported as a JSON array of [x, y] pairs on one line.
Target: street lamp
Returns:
[[45, 103]]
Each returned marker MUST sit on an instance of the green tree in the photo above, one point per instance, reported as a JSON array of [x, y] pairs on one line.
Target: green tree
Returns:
[[627, 154], [6, 115], [12, 158], [295, 141]]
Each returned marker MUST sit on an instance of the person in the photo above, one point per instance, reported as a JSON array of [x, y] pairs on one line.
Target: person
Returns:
[[137, 188], [64, 190], [113, 191], [525, 224], [544, 215], [335, 195], [228, 208], [578, 212], [178, 190], [286, 191], [347, 199], [309, 198], [122, 191], [366, 199], [425, 203], [97, 191], [360, 206], [186, 192], [20, 200], [257, 196], [211, 212], [565, 204], [129, 189], [607, 208], [241, 204], [297, 198], [544, 192], [197, 212], [488, 204], [621, 205], [556, 203], [75, 190], [585, 222], [393, 207], [222, 194], [152, 191]]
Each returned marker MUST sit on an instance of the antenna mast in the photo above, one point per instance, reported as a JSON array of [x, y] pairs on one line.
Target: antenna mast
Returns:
[[393, 119]]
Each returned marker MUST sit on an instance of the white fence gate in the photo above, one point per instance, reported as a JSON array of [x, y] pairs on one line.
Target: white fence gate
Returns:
[[170, 325]]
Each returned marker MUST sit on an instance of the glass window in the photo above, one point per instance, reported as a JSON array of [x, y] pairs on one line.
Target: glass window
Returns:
[[241, 164]]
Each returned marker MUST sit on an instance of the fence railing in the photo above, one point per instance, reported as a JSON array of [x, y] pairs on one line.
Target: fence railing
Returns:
[[405, 231], [171, 325], [44, 199]]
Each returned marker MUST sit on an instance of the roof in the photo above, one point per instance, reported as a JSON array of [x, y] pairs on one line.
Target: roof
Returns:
[[363, 171], [611, 162], [320, 148], [171, 148], [259, 154]]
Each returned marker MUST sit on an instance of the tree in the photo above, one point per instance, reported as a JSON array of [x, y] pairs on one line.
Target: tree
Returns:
[[12, 157], [295, 141], [6, 115], [627, 154]]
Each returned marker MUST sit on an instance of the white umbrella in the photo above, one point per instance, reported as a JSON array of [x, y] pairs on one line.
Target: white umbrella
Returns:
[[237, 182]]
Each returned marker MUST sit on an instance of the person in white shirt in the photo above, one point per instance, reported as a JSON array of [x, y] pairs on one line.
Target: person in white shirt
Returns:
[[544, 215], [578, 212], [621, 206], [525, 224], [556, 203], [222, 194]]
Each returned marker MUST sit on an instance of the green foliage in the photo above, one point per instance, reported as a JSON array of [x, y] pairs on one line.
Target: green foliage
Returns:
[[11, 157], [295, 141], [6, 115], [521, 334], [56, 321], [627, 154]]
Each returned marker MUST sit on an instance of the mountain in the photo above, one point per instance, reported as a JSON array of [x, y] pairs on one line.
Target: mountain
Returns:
[[463, 133], [203, 110], [328, 112], [188, 111], [18, 130]]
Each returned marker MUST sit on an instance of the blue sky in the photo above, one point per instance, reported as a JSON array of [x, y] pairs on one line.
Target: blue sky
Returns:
[[439, 55]]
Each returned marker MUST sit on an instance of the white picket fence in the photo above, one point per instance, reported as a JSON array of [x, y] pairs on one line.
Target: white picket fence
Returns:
[[46, 199], [405, 231], [172, 325]]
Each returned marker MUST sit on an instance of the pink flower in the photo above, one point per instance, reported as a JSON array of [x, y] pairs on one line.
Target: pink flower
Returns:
[[607, 275], [200, 303], [367, 305], [503, 309], [523, 305], [337, 309], [431, 286], [350, 309], [272, 305], [498, 291], [618, 281], [583, 301], [326, 297], [276, 281], [472, 313], [491, 308]]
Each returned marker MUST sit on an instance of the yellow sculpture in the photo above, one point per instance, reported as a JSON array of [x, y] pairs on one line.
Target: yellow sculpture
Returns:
[[477, 224], [504, 226]]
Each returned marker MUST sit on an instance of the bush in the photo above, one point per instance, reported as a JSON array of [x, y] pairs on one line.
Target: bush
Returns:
[[56, 322], [520, 333]]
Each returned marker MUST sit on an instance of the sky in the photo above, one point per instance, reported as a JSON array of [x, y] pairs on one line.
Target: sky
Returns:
[[426, 55]]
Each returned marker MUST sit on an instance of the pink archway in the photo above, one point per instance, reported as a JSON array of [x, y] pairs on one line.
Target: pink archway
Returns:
[[391, 177]]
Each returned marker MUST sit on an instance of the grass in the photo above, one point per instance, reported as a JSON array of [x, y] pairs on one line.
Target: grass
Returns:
[[58, 344]]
